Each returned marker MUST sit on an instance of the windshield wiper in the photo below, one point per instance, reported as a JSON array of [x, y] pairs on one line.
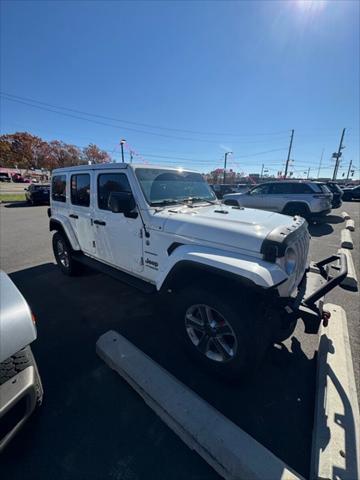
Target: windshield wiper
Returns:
[[200, 199], [184, 201], [163, 203]]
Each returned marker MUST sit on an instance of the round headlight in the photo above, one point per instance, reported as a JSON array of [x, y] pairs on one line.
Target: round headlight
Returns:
[[290, 261]]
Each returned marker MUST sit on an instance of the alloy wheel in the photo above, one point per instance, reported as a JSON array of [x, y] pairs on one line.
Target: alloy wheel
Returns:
[[63, 253], [210, 333]]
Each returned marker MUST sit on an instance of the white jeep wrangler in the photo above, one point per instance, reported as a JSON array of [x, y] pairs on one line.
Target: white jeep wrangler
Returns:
[[237, 278]]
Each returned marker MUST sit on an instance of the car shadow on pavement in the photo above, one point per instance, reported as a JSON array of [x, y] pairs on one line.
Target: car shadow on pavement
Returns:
[[93, 425], [18, 204], [320, 229], [333, 219]]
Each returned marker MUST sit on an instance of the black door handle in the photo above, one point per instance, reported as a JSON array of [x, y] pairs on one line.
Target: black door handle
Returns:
[[73, 216], [99, 222]]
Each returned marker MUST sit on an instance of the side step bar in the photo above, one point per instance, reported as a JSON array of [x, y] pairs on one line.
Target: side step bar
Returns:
[[135, 282]]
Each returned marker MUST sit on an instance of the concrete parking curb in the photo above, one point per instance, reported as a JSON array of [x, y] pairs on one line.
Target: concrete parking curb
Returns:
[[345, 216], [229, 450], [350, 225], [335, 449], [351, 280], [346, 240]]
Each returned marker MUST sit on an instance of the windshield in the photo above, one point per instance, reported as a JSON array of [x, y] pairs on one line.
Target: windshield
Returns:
[[162, 187]]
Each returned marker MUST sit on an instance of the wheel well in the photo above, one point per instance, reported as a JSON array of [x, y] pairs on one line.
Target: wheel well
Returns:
[[57, 227], [291, 205], [187, 272]]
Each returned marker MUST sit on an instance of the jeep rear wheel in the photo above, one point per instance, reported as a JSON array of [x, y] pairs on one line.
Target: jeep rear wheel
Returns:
[[221, 332], [63, 254]]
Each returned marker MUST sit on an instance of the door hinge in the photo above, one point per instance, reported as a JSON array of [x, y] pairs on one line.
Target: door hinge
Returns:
[[141, 260], [94, 244], [141, 233]]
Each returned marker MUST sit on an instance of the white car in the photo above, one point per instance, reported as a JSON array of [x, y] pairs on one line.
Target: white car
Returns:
[[236, 277]]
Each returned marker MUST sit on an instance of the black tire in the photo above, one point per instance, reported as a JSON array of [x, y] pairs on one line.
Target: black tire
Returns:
[[64, 257], [249, 340], [17, 363], [297, 209]]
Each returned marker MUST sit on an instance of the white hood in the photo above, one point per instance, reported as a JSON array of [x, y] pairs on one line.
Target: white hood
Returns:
[[243, 229]]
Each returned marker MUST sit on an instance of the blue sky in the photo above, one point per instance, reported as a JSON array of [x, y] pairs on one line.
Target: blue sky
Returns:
[[243, 74]]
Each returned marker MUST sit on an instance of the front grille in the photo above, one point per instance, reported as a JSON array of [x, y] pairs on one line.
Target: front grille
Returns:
[[301, 247]]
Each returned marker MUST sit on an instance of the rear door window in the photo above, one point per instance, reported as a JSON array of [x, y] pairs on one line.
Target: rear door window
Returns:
[[300, 188], [280, 188], [110, 182], [80, 189], [58, 188]]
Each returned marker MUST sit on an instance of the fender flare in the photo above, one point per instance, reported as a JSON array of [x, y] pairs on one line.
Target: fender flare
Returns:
[[253, 272], [62, 224]]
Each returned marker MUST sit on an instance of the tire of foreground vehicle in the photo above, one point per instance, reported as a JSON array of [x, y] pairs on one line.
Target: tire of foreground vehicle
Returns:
[[225, 335], [63, 255], [17, 363]]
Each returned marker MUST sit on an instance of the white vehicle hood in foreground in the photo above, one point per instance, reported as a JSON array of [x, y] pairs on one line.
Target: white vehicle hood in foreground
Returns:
[[243, 229], [17, 329]]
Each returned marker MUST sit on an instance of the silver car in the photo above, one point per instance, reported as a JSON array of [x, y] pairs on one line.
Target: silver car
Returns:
[[308, 199], [21, 390]]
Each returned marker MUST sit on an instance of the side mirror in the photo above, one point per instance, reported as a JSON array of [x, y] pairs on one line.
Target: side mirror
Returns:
[[122, 202]]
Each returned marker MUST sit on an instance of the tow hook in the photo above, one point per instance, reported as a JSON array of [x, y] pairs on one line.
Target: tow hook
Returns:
[[325, 317]]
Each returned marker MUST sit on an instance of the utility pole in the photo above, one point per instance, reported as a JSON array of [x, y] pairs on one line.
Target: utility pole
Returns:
[[131, 156], [321, 159], [262, 170], [225, 160], [338, 155], [289, 153], [122, 141], [348, 174], [308, 174]]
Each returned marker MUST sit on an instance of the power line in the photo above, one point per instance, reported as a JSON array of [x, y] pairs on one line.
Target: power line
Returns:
[[18, 98]]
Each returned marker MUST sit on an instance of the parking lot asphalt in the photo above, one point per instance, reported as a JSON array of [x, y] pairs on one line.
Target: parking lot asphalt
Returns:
[[92, 424]]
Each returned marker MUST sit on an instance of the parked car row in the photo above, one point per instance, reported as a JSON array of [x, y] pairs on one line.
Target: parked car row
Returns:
[[307, 199], [351, 193]]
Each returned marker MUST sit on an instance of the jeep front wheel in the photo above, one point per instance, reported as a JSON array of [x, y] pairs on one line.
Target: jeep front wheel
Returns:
[[221, 332]]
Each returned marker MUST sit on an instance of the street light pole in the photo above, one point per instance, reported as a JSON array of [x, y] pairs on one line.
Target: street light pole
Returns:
[[225, 160], [348, 174], [321, 158], [122, 149], [338, 155], [289, 152], [262, 170]]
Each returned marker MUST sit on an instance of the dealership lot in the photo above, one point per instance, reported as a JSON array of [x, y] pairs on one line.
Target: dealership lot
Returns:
[[92, 424]]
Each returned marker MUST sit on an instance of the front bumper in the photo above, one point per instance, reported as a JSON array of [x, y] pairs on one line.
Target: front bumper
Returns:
[[18, 399], [315, 284]]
